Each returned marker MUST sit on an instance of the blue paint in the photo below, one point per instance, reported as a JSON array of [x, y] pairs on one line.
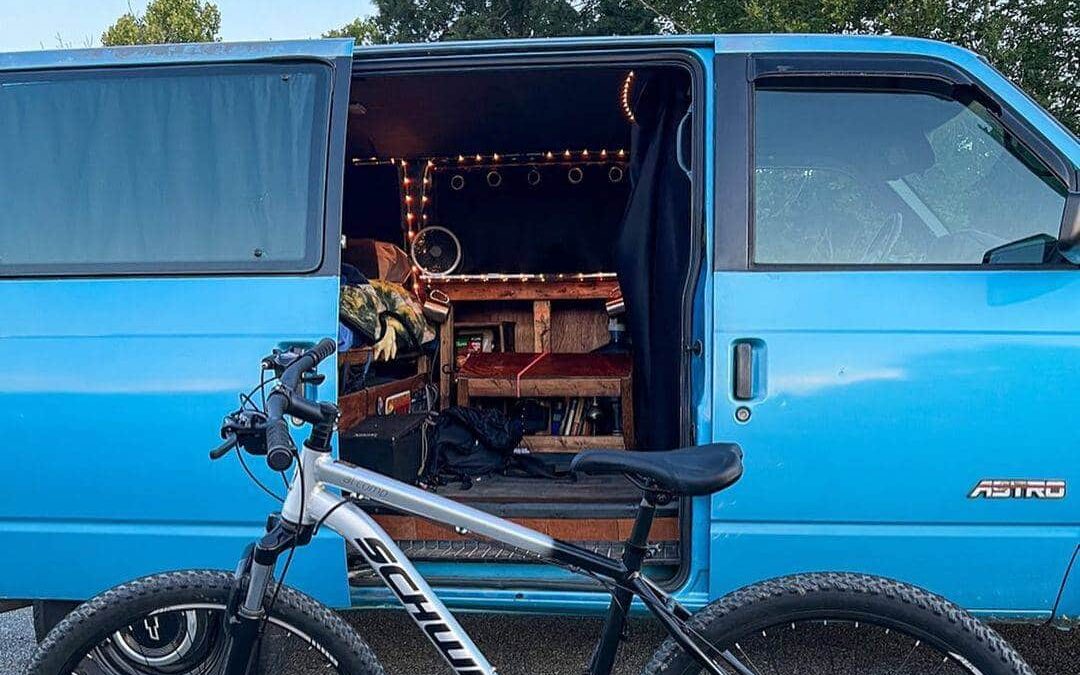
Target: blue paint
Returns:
[[148, 55], [114, 391], [885, 397], [889, 395]]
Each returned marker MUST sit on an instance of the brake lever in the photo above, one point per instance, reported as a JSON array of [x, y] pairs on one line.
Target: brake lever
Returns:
[[220, 451]]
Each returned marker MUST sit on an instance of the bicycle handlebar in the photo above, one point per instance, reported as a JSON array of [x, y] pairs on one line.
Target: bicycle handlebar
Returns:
[[282, 400]]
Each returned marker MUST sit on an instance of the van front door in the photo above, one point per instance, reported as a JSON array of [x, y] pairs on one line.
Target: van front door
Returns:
[[171, 214], [901, 396]]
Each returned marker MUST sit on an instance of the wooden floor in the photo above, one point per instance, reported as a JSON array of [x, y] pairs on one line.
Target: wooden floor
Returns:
[[581, 508]]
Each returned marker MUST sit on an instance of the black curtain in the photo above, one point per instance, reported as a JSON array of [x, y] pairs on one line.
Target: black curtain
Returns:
[[652, 258]]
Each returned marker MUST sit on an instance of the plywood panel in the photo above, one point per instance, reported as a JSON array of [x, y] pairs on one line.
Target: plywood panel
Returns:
[[578, 327]]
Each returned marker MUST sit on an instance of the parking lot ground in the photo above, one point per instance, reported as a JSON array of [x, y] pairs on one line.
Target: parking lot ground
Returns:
[[531, 645]]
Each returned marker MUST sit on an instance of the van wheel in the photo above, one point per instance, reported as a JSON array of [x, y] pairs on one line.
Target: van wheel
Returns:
[[48, 613]]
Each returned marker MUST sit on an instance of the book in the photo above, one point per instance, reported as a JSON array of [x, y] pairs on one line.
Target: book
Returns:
[[558, 411], [568, 423]]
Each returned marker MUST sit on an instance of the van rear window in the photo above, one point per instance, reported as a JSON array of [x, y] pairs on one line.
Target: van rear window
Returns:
[[163, 169]]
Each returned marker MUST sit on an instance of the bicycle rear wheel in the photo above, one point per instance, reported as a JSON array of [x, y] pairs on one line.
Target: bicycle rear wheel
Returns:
[[841, 624], [172, 623]]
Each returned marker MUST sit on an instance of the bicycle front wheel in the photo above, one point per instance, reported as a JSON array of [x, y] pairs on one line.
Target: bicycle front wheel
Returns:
[[840, 624], [172, 623]]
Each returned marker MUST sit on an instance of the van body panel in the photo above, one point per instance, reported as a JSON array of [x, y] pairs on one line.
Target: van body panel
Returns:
[[887, 397], [116, 388]]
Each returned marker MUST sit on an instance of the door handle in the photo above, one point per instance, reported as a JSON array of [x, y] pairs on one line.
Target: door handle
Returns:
[[743, 371]]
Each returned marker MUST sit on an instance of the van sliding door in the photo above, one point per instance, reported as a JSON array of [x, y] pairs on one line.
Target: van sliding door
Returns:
[[170, 215]]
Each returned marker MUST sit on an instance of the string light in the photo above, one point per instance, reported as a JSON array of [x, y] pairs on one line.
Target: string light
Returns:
[[625, 95], [432, 280], [585, 156], [431, 164]]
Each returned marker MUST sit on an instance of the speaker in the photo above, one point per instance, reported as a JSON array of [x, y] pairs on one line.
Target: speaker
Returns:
[[392, 445]]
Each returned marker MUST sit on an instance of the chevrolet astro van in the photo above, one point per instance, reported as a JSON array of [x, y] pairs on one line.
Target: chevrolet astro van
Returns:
[[856, 257]]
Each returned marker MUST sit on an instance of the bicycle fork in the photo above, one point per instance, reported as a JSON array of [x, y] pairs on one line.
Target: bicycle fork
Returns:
[[246, 614]]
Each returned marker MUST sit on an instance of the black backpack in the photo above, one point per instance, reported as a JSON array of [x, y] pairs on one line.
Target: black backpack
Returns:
[[470, 443]]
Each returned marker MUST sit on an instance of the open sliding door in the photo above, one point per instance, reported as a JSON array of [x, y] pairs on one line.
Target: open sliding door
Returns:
[[171, 214]]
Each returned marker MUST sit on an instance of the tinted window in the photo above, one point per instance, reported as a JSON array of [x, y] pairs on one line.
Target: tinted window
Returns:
[[163, 169], [848, 178]]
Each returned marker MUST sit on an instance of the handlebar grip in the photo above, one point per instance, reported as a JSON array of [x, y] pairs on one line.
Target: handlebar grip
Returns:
[[279, 445], [325, 348]]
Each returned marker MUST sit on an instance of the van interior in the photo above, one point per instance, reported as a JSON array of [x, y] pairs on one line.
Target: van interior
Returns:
[[516, 252]]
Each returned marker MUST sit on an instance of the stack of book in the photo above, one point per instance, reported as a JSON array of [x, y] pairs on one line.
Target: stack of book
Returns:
[[570, 417]]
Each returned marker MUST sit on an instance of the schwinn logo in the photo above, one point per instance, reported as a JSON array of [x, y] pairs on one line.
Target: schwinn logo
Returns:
[[418, 606], [1018, 489]]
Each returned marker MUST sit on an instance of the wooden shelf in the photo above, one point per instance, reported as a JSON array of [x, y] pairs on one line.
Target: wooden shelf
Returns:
[[584, 289], [572, 443]]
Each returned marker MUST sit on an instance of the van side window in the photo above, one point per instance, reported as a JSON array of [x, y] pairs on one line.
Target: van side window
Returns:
[[891, 178], [163, 169]]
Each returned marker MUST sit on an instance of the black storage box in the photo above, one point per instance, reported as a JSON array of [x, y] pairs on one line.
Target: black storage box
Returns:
[[391, 444]]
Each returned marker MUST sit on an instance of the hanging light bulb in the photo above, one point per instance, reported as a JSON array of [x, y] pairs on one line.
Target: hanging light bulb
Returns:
[[549, 154], [566, 154], [460, 158]]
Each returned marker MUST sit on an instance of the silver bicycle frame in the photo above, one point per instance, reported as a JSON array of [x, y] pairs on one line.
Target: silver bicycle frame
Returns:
[[321, 471]]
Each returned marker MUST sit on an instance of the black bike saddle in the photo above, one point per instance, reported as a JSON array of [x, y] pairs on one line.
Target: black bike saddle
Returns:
[[688, 472]]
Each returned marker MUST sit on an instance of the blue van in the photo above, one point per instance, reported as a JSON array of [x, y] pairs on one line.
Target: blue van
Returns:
[[854, 256]]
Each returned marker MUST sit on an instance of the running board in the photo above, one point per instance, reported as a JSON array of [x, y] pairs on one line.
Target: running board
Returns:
[[430, 550]]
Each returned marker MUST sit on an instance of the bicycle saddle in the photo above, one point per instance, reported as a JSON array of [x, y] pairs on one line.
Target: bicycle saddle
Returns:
[[699, 470]]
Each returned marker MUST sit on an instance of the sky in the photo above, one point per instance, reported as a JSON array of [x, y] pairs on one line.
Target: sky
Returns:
[[35, 24]]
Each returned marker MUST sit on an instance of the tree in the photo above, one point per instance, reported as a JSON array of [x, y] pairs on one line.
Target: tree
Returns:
[[1033, 42], [166, 21], [436, 20], [362, 29]]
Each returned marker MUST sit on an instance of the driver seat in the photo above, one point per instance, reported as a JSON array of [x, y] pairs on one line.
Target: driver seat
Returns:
[[688, 472]]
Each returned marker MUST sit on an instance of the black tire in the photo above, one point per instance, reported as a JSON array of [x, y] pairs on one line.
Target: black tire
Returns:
[[95, 621], [48, 613], [838, 597]]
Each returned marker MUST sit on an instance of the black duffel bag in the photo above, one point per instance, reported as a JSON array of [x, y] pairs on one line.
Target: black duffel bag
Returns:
[[472, 443]]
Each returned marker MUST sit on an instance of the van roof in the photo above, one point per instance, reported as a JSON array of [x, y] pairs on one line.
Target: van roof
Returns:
[[331, 48]]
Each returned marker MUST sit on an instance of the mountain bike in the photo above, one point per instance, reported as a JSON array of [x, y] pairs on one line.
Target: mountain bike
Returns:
[[246, 621]]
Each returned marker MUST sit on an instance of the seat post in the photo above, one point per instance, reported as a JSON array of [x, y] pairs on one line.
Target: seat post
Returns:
[[637, 544], [603, 658]]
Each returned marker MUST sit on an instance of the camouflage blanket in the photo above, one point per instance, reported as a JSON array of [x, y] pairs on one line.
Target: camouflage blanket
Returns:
[[386, 316]]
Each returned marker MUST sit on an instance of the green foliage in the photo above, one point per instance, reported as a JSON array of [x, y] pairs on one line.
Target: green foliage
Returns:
[[362, 29], [1033, 42], [436, 20], [166, 21]]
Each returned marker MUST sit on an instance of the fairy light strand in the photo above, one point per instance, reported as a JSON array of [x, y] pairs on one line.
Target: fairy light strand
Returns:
[[625, 96], [417, 191]]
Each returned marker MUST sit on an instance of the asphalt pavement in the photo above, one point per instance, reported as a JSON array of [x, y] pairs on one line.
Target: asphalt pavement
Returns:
[[519, 645]]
